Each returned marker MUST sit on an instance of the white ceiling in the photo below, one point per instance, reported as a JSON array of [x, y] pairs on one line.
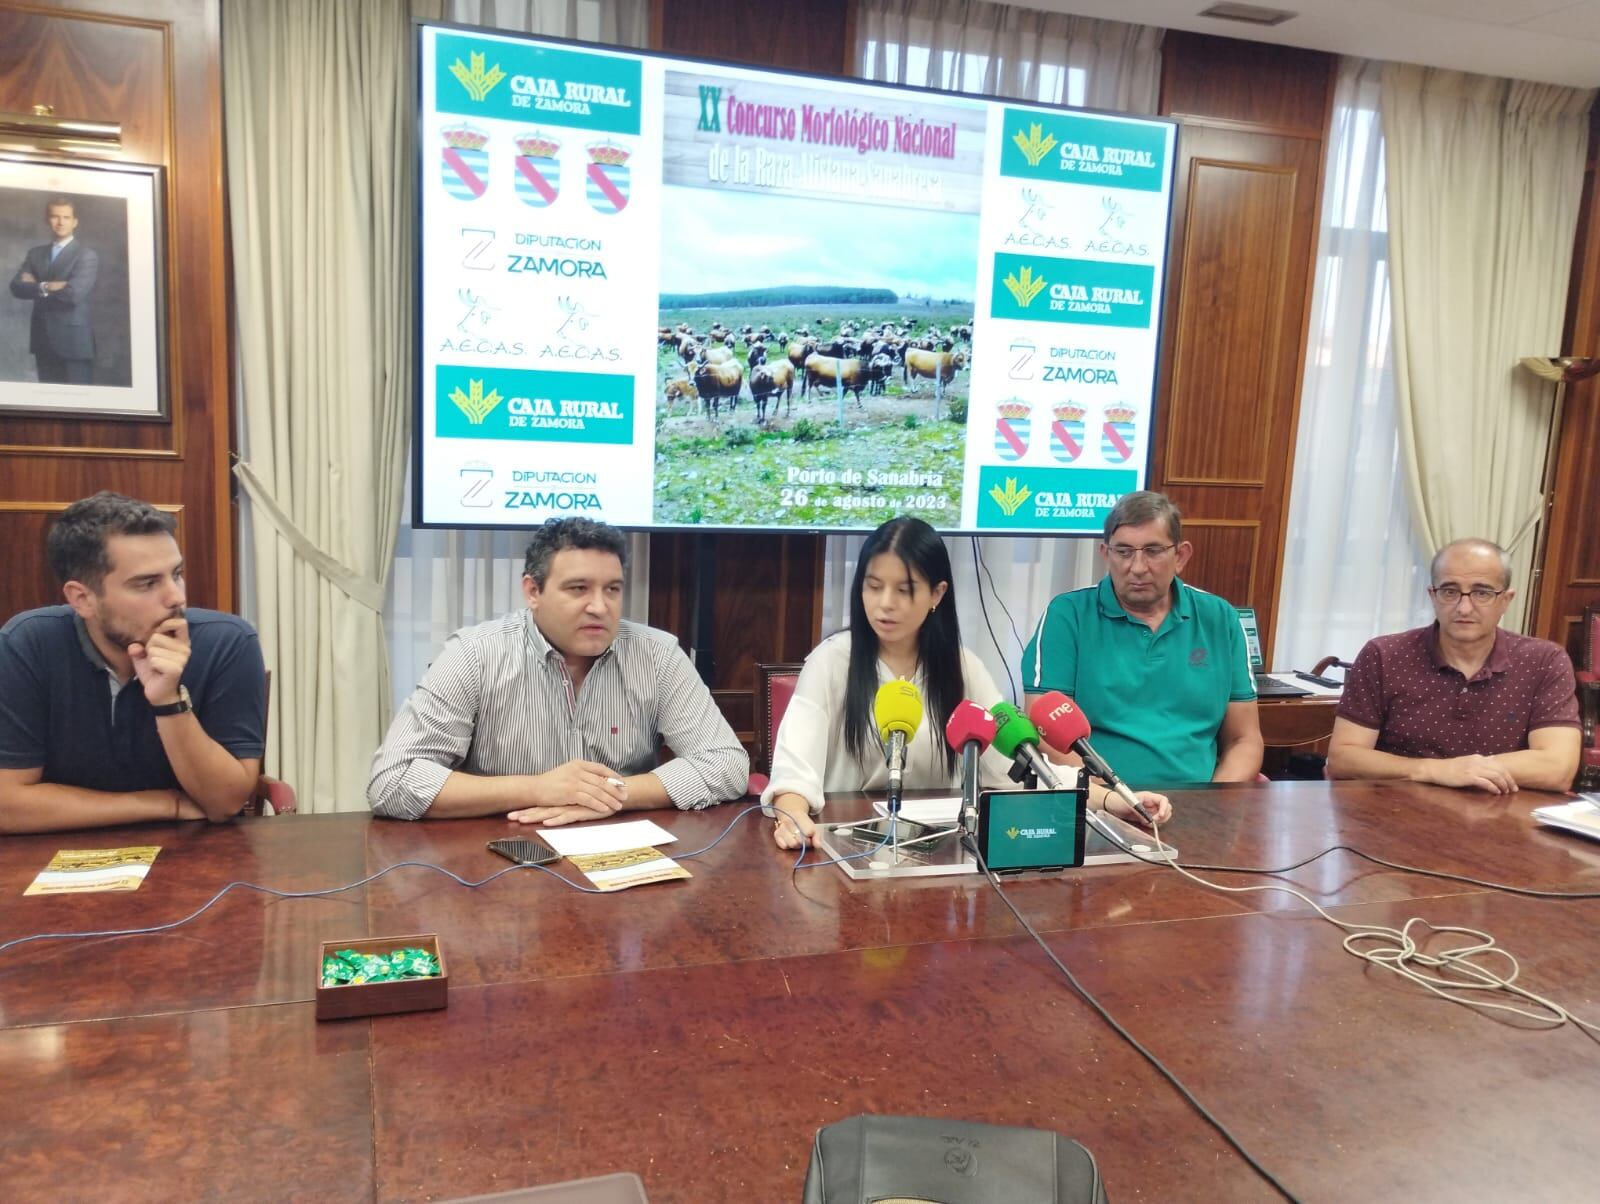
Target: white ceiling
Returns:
[[1555, 41]]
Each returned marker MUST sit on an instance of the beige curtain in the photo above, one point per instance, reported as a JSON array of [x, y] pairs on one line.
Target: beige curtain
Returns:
[[1002, 586], [1484, 183], [317, 109]]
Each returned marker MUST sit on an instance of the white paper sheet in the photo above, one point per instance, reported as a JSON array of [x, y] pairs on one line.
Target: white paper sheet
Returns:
[[944, 810], [606, 838], [1582, 817], [923, 810]]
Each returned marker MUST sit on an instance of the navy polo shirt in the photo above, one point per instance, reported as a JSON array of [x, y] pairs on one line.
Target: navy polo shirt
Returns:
[[1156, 699], [57, 709]]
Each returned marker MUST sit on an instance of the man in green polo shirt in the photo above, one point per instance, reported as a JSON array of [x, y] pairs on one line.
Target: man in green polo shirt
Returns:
[[1158, 667]]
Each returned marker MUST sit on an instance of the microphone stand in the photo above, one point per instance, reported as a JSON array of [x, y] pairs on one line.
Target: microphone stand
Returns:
[[1023, 775], [968, 818], [896, 744]]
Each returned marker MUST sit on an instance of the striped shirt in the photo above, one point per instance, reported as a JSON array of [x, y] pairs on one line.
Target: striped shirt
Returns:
[[498, 701]]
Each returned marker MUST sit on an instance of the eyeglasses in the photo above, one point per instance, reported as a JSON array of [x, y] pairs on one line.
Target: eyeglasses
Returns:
[[1150, 552], [1481, 595]]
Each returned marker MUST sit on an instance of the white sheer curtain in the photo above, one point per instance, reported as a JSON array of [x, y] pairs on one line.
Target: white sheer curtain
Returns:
[[1001, 50], [1355, 564], [443, 580], [1485, 177], [970, 46], [619, 22]]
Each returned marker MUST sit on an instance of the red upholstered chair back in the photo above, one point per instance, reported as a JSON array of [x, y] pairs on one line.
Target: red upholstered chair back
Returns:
[[271, 797], [774, 688], [1591, 642], [1589, 701]]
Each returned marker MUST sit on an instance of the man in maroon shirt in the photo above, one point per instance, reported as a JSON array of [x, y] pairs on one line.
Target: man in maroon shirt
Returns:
[[1460, 702]]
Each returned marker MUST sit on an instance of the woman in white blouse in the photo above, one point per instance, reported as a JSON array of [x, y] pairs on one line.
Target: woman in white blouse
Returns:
[[902, 626]]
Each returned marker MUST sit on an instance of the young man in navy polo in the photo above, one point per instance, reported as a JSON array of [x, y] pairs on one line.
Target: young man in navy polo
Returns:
[[1158, 667], [1460, 702], [124, 705]]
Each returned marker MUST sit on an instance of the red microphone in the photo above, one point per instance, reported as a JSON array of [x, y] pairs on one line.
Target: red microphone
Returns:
[[969, 723], [971, 729], [1062, 725]]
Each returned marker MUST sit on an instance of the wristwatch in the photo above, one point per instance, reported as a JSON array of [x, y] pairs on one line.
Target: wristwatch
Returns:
[[180, 707]]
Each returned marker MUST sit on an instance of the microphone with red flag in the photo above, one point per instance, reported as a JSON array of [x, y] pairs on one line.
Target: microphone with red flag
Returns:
[[970, 729], [1062, 725]]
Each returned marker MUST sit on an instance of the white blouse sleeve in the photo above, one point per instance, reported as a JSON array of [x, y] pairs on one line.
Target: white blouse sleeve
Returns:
[[993, 769], [810, 726]]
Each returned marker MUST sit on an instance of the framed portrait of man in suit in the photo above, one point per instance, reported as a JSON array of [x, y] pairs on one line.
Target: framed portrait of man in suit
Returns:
[[83, 327]]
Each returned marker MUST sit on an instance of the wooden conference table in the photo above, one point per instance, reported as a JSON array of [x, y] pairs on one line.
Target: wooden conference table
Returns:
[[699, 1032]]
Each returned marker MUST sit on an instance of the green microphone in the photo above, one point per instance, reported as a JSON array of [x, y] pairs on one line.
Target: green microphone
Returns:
[[1017, 738]]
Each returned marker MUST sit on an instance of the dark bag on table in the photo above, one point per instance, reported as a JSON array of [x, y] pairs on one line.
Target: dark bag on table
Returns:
[[914, 1159]]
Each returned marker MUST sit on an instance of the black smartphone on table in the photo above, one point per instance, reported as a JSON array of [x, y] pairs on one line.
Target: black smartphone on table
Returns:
[[525, 850]]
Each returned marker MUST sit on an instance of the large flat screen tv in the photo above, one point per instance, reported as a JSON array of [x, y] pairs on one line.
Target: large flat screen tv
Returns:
[[667, 293]]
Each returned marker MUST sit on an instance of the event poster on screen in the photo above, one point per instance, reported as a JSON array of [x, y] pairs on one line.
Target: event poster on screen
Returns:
[[665, 293]]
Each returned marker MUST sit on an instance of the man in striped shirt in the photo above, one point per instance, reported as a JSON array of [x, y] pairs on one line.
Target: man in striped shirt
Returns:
[[555, 714]]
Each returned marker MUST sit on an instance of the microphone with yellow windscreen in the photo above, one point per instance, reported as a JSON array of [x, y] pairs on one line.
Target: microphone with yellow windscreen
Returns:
[[897, 710]]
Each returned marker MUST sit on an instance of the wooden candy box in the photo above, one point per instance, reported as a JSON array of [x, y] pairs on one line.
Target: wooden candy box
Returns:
[[382, 998]]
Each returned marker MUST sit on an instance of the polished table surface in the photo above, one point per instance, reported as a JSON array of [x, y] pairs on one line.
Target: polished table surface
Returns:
[[699, 1032]]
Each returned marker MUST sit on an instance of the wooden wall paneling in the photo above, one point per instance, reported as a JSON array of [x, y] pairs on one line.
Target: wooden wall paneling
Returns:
[[23, 529], [767, 607], [1249, 86], [29, 582], [806, 35], [1226, 555], [1241, 267], [155, 67], [1570, 573], [91, 68], [1236, 266]]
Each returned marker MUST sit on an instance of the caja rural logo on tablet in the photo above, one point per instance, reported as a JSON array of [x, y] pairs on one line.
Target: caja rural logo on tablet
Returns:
[[528, 404]]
